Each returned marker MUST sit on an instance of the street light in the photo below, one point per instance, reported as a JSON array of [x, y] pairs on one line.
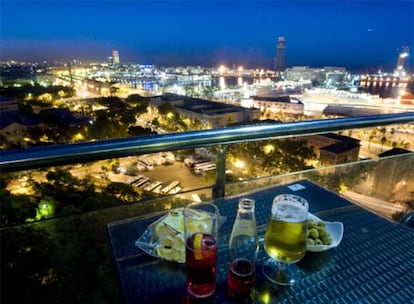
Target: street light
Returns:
[[78, 137], [239, 164], [269, 148]]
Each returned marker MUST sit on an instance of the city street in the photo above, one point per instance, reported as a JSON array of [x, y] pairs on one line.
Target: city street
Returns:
[[373, 204], [373, 150]]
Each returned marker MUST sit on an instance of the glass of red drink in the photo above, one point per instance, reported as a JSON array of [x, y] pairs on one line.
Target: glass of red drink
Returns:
[[241, 278], [201, 228]]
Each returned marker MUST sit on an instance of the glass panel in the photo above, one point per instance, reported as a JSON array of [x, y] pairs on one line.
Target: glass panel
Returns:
[[383, 185], [67, 257]]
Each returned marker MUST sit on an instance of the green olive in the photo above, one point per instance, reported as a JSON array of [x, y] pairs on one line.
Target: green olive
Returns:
[[327, 240], [317, 233], [322, 232], [321, 224], [310, 242], [314, 233]]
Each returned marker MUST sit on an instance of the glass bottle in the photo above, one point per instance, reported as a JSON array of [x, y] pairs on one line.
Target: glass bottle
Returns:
[[244, 247]]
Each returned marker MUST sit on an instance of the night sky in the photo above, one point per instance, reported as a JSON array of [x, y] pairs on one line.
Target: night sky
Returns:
[[354, 34]]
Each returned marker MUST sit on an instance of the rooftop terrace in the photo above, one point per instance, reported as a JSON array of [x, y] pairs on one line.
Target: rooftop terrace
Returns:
[[69, 259]]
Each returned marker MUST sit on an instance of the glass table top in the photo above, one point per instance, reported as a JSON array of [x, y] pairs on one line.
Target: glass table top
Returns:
[[374, 263]]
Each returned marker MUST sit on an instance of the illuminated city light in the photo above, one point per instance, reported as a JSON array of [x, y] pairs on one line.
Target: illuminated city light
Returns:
[[222, 69], [46, 209], [239, 164], [222, 83], [268, 148]]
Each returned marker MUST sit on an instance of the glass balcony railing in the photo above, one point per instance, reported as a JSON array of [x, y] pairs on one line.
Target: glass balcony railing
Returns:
[[57, 201]]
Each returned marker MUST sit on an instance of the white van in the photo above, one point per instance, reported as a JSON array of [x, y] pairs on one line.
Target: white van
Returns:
[[141, 181], [204, 168], [147, 164], [210, 168], [158, 160], [169, 187], [140, 166], [157, 189], [175, 190], [152, 186], [169, 159], [195, 159], [146, 158], [133, 180]]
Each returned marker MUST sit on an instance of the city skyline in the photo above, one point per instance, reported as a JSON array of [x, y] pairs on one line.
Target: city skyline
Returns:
[[353, 34]]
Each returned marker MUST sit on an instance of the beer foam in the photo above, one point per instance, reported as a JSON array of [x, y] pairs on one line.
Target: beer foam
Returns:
[[289, 211]]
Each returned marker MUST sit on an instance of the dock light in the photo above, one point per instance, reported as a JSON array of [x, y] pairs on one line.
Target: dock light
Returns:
[[222, 69]]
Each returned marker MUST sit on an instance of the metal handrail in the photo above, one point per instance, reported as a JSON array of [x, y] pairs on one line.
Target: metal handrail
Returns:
[[23, 159], [408, 220]]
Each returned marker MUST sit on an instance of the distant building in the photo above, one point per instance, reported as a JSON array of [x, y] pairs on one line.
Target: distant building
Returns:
[[334, 76], [394, 152], [280, 55], [303, 73], [208, 113], [334, 149], [284, 104], [13, 124], [328, 76], [258, 122], [97, 87], [115, 57], [8, 105], [339, 153]]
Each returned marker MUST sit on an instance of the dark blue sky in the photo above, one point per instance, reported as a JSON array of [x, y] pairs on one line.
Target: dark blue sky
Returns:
[[350, 33]]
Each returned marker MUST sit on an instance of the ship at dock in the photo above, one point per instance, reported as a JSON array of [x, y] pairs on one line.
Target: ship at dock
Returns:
[[332, 101]]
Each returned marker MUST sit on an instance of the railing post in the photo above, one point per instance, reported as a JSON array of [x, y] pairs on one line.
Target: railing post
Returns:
[[219, 188]]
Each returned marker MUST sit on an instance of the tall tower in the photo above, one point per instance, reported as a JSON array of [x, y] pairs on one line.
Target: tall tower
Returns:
[[280, 55], [115, 57]]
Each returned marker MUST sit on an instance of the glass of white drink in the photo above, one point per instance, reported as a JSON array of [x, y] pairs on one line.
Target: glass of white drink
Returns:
[[285, 238]]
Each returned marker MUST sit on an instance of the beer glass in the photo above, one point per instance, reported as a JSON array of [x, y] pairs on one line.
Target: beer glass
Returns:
[[285, 239]]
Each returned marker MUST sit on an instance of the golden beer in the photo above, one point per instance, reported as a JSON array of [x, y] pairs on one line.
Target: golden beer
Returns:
[[285, 238]]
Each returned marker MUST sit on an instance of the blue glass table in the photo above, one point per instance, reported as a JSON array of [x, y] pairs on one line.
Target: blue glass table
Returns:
[[374, 263]]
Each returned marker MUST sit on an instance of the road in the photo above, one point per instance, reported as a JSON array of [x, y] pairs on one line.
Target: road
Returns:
[[376, 148], [376, 205], [373, 150]]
